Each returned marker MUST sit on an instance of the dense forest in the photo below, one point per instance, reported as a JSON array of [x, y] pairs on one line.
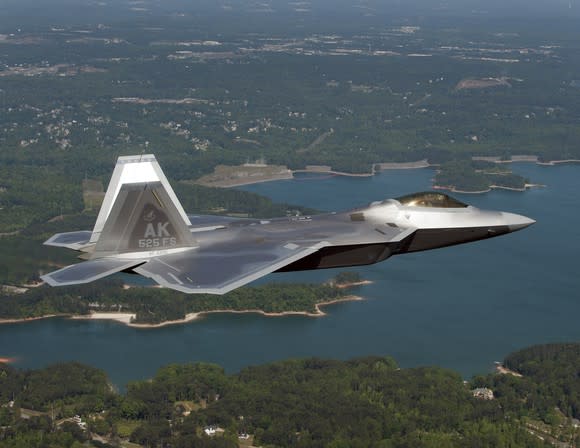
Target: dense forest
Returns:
[[304, 403], [553, 371]]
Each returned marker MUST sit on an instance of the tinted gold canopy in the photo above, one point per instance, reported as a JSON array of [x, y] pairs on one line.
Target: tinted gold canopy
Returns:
[[430, 199]]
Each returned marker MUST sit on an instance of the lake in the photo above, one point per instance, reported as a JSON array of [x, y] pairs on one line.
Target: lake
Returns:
[[462, 307]]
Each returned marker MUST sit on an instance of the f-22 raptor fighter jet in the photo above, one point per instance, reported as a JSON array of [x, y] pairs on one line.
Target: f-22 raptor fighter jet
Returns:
[[142, 228]]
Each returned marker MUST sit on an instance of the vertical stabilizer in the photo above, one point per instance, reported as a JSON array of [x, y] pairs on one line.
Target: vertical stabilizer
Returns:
[[143, 219], [137, 171]]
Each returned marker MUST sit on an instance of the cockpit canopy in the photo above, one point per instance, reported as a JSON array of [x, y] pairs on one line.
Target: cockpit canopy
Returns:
[[430, 199]]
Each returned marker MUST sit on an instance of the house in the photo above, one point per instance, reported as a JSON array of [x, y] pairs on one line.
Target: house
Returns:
[[212, 430], [483, 393]]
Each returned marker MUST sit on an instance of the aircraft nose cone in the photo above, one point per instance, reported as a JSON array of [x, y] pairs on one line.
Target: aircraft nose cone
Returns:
[[517, 222]]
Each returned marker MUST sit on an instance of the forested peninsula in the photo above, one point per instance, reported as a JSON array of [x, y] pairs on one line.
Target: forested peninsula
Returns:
[[150, 306], [363, 402]]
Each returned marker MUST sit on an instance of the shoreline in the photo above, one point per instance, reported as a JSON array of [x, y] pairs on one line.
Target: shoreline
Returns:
[[419, 164], [194, 316], [240, 183], [30, 319], [353, 284], [503, 370], [491, 187], [378, 167], [125, 318], [526, 187], [335, 173], [455, 190], [558, 162]]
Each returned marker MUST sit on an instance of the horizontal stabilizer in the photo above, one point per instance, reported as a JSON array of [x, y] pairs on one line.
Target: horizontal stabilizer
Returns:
[[88, 271], [70, 240]]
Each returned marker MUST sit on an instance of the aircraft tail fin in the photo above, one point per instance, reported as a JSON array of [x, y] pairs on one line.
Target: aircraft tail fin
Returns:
[[140, 211], [132, 170], [140, 217]]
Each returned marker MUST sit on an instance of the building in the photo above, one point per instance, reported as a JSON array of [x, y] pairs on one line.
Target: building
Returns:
[[483, 393]]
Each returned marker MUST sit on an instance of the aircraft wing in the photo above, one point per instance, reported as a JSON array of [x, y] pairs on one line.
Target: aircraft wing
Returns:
[[219, 266], [218, 269]]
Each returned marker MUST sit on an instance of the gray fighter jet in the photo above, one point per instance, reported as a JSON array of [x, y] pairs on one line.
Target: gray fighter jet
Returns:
[[142, 228]]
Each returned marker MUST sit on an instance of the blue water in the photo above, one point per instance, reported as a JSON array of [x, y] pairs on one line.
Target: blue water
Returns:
[[462, 307]]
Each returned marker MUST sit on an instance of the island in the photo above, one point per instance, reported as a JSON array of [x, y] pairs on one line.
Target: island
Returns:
[[477, 176]]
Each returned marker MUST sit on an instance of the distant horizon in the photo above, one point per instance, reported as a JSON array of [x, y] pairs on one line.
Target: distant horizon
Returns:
[[59, 11]]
